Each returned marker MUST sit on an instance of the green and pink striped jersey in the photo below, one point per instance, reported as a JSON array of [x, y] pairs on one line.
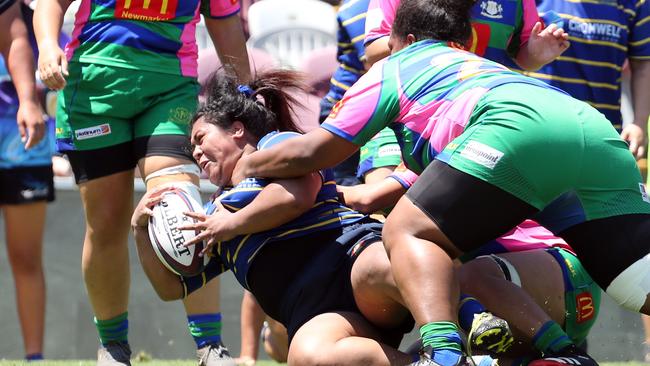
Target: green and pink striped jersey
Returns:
[[151, 35], [426, 93]]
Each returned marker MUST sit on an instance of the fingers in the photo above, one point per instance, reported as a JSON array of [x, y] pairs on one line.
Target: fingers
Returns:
[[35, 133], [536, 28], [197, 239], [196, 215], [22, 131], [52, 75]]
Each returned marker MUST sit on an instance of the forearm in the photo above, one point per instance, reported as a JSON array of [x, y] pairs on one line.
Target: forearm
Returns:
[[376, 50], [372, 197], [640, 83], [277, 204], [166, 284], [229, 41], [48, 19], [526, 61], [19, 56], [298, 156]]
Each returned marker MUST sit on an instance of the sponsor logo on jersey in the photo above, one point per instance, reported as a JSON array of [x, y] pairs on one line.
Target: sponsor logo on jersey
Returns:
[[585, 307], [491, 9], [644, 193], [94, 131], [146, 10], [481, 154], [180, 115], [389, 150], [595, 31], [337, 107]]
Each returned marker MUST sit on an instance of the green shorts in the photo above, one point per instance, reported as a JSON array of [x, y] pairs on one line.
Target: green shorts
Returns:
[[381, 151], [540, 145], [103, 106], [581, 296]]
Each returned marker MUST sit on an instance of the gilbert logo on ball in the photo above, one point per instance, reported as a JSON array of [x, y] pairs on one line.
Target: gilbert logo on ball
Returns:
[[168, 240]]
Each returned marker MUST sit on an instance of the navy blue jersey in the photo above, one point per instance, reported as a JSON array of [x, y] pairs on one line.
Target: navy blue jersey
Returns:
[[326, 213]]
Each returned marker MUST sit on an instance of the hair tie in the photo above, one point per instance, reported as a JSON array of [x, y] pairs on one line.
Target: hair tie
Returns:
[[246, 90]]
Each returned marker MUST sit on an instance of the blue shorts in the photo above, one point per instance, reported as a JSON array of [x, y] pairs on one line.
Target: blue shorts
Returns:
[[26, 184]]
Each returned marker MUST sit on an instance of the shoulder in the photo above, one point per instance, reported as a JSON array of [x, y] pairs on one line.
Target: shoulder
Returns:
[[274, 138]]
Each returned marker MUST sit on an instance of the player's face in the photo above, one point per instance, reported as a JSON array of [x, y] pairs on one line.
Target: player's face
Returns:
[[396, 43], [215, 150]]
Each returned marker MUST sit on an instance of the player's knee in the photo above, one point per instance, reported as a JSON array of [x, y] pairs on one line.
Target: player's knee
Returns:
[[177, 173], [391, 235]]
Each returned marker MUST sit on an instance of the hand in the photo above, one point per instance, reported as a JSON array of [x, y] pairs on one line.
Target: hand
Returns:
[[635, 136], [213, 228], [31, 124], [143, 211], [52, 66], [546, 45], [355, 197]]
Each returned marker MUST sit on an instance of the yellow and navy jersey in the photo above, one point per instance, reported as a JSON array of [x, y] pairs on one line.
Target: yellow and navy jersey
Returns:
[[351, 18], [603, 33], [326, 213]]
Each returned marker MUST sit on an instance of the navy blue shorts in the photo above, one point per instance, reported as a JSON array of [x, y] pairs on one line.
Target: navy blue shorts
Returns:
[[26, 184], [297, 279]]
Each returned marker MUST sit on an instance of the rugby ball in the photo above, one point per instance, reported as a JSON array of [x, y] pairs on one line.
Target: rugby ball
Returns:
[[166, 237]]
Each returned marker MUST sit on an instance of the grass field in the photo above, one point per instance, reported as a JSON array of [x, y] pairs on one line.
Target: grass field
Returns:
[[193, 363]]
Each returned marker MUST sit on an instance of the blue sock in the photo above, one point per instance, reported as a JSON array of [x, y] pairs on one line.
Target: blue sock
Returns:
[[205, 328], [445, 342], [34, 357], [467, 308]]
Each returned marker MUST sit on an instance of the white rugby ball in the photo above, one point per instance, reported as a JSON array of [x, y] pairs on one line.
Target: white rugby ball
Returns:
[[167, 240]]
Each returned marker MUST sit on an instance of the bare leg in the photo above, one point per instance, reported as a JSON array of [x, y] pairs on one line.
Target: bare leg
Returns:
[[105, 258], [24, 231], [341, 339], [421, 258], [526, 308], [252, 320], [276, 341]]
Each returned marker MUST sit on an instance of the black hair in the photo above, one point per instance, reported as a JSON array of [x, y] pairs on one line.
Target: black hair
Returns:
[[443, 20], [264, 105]]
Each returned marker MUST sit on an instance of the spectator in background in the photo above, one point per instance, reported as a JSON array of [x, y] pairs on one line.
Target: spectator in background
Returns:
[[26, 181], [603, 35], [351, 18], [128, 89]]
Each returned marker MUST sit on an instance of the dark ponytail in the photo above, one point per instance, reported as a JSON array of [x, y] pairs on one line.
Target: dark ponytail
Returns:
[[264, 105], [442, 20]]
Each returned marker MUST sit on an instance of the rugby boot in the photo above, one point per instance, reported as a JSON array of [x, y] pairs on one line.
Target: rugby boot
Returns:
[[568, 356], [114, 354], [215, 354], [489, 334]]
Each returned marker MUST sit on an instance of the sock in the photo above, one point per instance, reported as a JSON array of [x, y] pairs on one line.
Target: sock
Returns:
[[34, 357], [444, 340], [205, 328], [551, 338], [113, 330], [467, 308]]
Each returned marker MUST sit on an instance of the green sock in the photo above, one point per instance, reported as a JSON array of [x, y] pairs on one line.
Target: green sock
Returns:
[[444, 340], [551, 338], [113, 330]]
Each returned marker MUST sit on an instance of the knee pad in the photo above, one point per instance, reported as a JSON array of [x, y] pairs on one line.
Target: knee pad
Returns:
[[189, 169], [631, 287]]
